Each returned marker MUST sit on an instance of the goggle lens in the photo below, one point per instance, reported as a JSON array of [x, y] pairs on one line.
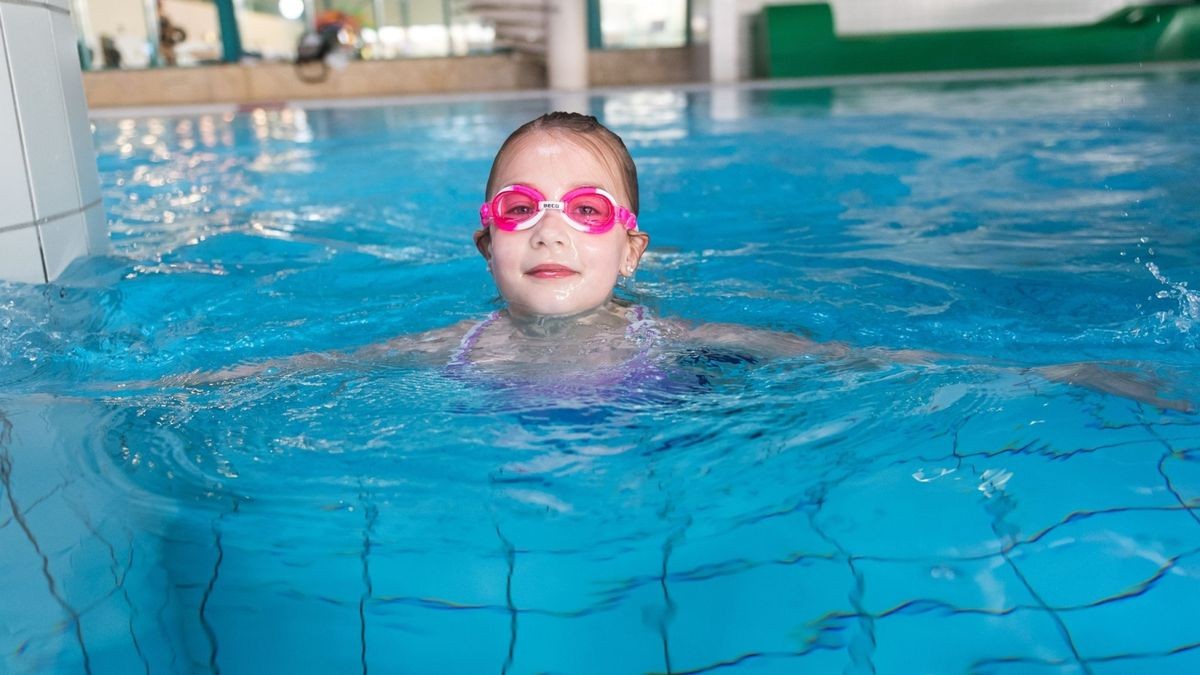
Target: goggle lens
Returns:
[[514, 208], [593, 210]]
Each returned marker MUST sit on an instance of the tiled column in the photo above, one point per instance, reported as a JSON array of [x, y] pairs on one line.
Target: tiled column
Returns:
[[724, 49], [50, 210], [567, 45]]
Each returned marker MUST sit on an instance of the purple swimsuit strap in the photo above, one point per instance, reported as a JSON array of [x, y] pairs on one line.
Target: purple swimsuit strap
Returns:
[[461, 355], [640, 325]]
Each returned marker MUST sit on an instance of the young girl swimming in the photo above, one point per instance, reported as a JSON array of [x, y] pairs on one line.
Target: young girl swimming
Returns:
[[558, 231]]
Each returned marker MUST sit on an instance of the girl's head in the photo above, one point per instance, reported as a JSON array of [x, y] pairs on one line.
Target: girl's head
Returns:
[[556, 257]]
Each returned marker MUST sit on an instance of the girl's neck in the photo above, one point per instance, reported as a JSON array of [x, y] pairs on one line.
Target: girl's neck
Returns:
[[608, 315]]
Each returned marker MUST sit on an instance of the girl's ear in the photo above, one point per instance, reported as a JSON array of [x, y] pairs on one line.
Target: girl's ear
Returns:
[[638, 242], [483, 242]]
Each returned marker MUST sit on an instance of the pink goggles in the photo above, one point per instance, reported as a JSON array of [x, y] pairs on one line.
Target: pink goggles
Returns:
[[587, 209]]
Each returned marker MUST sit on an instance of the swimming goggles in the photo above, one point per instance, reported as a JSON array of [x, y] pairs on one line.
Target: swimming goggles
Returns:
[[587, 209]]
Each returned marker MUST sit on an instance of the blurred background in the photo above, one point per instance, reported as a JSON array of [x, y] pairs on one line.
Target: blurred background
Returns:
[[126, 34], [300, 49]]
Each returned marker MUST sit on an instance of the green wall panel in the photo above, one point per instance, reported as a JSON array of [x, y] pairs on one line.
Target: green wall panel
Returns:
[[798, 41]]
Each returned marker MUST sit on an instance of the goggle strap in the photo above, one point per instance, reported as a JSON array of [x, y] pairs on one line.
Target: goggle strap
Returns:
[[626, 216]]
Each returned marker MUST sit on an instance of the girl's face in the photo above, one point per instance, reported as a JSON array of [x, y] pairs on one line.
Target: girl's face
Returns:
[[553, 269]]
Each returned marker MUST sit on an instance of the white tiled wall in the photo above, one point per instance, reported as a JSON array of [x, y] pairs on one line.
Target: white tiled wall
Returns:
[[21, 256], [96, 225], [33, 62], [49, 189], [14, 192], [62, 240], [76, 107]]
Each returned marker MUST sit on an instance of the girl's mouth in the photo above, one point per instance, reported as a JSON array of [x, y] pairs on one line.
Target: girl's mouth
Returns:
[[549, 271]]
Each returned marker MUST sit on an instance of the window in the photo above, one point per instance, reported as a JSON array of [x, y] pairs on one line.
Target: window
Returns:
[[638, 24]]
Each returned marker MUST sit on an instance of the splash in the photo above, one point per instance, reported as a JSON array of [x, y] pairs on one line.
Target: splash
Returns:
[[1188, 313]]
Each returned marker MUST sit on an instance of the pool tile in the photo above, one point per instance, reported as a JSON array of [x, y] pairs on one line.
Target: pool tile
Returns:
[[286, 628], [248, 588], [940, 642], [29, 609], [96, 224], [56, 651], [988, 586], [777, 609], [583, 581], [909, 511], [406, 638], [1056, 428], [1183, 471], [112, 646], [584, 643], [79, 558], [154, 611], [1123, 551], [14, 185], [21, 255], [78, 124], [188, 570], [768, 538], [63, 240], [92, 568], [466, 577], [1124, 475], [1158, 621]]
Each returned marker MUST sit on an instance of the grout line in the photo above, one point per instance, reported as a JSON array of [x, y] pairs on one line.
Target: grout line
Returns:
[[50, 219], [371, 515], [510, 560], [209, 630], [42, 256], [924, 77]]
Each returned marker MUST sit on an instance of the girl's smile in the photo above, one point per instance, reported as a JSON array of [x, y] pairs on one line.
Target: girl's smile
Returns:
[[551, 271]]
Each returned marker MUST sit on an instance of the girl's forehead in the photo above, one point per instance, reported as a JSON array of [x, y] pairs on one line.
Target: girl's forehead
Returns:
[[542, 146], [546, 156]]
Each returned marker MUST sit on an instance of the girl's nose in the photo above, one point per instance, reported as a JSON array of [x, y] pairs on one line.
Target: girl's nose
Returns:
[[552, 230]]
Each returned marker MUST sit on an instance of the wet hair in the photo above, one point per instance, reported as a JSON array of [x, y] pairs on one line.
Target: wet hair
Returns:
[[587, 131]]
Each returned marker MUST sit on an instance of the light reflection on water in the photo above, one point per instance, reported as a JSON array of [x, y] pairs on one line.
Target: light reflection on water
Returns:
[[794, 514]]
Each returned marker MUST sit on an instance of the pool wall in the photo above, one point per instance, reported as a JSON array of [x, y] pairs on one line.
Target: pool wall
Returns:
[[48, 180]]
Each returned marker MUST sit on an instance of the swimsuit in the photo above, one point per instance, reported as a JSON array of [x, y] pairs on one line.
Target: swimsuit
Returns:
[[638, 370], [656, 372]]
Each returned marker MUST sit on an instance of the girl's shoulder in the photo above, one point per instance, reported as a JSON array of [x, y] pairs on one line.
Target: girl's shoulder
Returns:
[[436, 344]]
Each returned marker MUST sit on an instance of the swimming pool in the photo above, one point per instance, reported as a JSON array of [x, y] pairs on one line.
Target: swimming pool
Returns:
[[786, 516]]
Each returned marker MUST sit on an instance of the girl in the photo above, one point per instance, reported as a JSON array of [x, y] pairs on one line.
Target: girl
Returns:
[[558, 230]]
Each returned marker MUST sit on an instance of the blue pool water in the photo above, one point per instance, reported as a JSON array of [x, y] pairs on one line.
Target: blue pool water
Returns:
[[782, 516]]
